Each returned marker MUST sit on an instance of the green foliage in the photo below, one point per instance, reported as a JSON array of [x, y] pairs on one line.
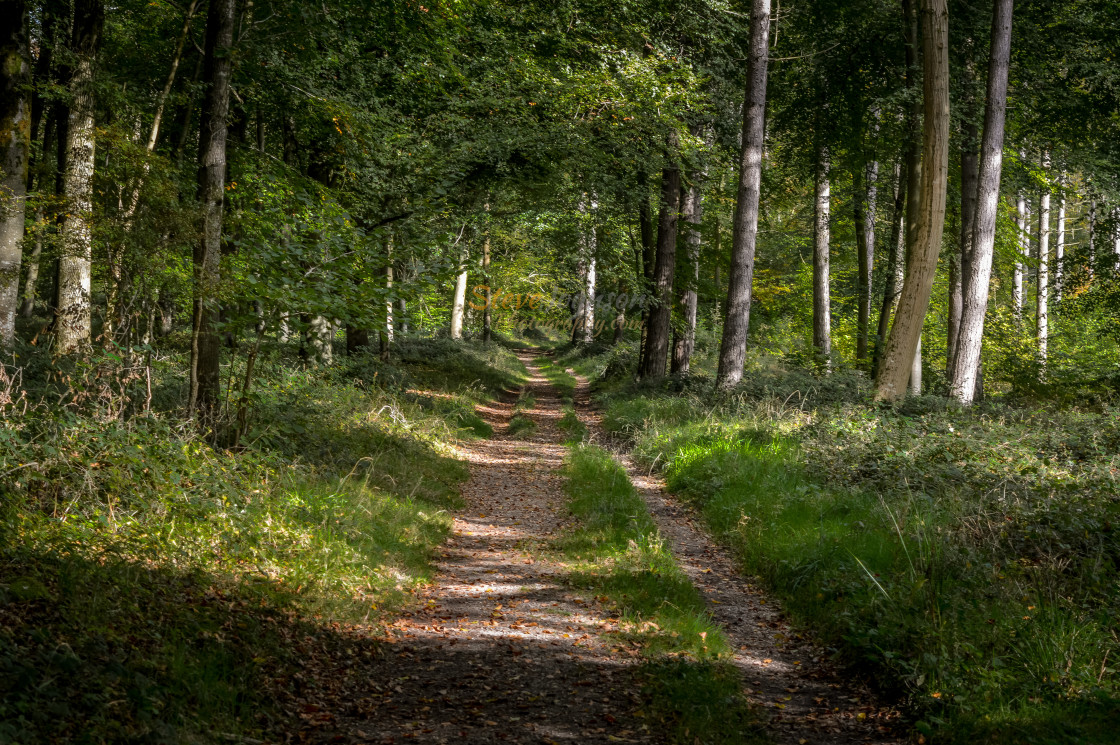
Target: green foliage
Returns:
[[151, 586], [967, 558]]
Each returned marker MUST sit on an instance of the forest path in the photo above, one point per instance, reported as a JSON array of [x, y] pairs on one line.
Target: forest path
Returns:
[[500, 648], [807, 701]]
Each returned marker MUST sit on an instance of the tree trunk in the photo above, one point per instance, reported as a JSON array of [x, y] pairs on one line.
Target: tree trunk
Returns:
[[1060, 247], [866, 194], [320, 338], [460, 300], [1042, 278], [922, 265], [213, 130], [660, 314], [1092, 258], [27, 308], [684, 339], [649, 247], [72, 331], [386, 334], [15, 148], [744, 235], [965, 380], [958, 269], [487, 312], [896, 263], [589, 246], [916, 370], [1022, 222], [822, 316], [356, 338]]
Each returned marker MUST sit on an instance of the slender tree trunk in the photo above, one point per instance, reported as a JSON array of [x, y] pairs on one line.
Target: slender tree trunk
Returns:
[[896, 262], [866, 195], [744, 235], [589, 247], [386, 334], [460, 300], [684, 339], [1092, 236], [1060, 247], [620, 315], [73, 324], [649, 248], [1022, 223], [965, 379], [27, 308], [822, 316], [15, 148], [660, 315], [402, 309], [213, 131], [1042, 278], [922, 266], [970, 176], [1116, 236], [487, 312]]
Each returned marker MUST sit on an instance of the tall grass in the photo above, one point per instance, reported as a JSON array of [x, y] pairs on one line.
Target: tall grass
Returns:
[[966, 560]]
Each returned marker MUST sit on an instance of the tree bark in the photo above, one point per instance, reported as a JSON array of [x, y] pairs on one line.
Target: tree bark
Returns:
[[1060, 247], [922, 265], [1022, 222], [822, 316], [487, 312], [15, 148], [965, 381], [1092, 236], [460, 300], [684, 339], [744, 235], [213, 131], [73, 324], [660, 314], [865, 198], [649, 248], [896, 262], [970, 176], [1042, 278]]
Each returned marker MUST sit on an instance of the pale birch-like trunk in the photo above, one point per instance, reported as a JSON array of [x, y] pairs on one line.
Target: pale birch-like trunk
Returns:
[[1022, 222], [320, 338], [822, 316], [1092, 236], [1042, 278], [205, 381], [1060, 245], [915, 383], [922, 265], [964, 379], [73, 324], [684, 338], [487, 312], [15, 149], [460, 300], [744, 231]]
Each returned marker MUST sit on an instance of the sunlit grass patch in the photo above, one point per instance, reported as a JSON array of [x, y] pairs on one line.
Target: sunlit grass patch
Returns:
[[964, 559], [616, 552]]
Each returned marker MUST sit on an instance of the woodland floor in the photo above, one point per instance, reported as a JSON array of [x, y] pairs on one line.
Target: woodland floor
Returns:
[[503, 648]]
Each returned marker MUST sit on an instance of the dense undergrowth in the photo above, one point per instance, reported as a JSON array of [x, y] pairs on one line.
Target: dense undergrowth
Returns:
[[154, 588], [967, 560], [691, 691]]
